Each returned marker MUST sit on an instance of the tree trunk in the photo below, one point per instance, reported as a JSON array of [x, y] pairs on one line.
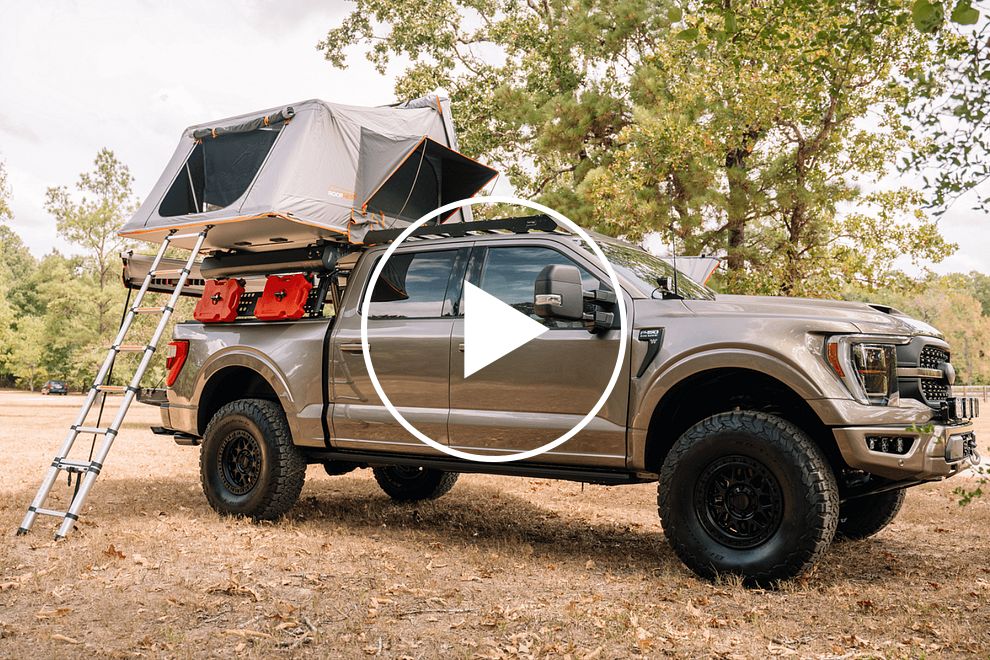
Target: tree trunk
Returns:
[[735, 171], [792, 269]]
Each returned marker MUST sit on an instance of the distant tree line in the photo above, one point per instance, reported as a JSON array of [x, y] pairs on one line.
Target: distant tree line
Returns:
[[59, 313]]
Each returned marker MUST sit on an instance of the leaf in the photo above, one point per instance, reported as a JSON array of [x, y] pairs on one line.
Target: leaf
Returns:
[[674, 14], [964, 14], [731, 26], [112, 551], [927, 15], [690, 34]]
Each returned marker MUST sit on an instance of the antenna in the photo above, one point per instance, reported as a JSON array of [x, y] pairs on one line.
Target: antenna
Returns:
[[673, 253]]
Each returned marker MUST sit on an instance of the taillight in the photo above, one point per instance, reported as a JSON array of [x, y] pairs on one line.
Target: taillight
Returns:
[[175, 357]]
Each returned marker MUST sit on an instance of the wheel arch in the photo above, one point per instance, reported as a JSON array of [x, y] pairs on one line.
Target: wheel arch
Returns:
[[713, 391], [230, 377]]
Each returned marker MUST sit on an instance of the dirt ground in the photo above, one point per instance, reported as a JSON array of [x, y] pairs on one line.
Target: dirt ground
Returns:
[[500, 567]]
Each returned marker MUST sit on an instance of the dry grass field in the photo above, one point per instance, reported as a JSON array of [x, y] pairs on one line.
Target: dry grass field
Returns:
[[501, 567]]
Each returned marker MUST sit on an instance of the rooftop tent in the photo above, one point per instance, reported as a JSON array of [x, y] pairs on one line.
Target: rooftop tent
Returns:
[[310, 171], [427, 176]]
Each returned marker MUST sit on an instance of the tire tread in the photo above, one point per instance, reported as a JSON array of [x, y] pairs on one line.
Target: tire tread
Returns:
[[821, 517]]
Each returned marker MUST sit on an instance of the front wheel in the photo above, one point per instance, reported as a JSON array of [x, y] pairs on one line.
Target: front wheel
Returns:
[[405, 483], [750, 494], [248, 464], [862, 517]]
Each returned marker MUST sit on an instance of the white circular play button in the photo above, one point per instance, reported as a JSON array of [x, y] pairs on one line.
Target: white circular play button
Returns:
[[492, 331]]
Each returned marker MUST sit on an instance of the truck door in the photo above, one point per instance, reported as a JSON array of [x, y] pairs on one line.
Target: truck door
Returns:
[[543, 388], [409, 335]]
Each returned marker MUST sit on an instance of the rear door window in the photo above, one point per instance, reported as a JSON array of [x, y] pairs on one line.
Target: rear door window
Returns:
[[413, 285]]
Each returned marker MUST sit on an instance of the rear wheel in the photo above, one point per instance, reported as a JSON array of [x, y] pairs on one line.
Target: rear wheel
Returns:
[[405, 483], [749, 494], [862, 517], [248, 464]]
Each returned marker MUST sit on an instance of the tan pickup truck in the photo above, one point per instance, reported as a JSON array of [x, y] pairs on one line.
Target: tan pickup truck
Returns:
[[770, 424]]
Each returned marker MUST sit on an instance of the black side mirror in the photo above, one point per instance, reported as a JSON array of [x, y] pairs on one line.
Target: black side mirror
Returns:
[[557, 293]]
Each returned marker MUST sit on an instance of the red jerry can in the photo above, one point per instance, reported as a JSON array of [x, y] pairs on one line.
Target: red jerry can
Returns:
[[219, 301], [284, 298]]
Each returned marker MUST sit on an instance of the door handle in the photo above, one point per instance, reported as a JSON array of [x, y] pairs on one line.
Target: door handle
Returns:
[[460, 347], [352, 348]]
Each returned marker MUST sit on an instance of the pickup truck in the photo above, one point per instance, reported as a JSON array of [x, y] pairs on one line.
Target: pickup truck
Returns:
[[772, 425]]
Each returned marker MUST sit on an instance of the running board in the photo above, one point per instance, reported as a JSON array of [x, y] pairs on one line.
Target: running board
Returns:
[[515, 468]]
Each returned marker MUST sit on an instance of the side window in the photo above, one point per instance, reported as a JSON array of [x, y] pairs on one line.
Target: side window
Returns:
[[510, 273], [413, 285]]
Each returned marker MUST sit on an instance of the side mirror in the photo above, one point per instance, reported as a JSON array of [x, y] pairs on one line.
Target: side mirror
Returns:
[[557, 293]]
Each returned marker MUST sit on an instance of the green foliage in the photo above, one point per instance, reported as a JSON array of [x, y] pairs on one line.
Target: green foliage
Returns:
[[58, 314], [92, 223], [951, 104], [743, 129], [5, 212]]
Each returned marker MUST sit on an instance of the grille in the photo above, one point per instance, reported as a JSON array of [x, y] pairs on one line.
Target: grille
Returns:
[[932, 356], [934, 390]]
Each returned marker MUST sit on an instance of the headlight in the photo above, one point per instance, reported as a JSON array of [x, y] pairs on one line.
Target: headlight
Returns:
[[867, 365]]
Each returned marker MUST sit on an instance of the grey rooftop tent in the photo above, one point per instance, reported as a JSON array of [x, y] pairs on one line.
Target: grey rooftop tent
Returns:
[[313, 170]]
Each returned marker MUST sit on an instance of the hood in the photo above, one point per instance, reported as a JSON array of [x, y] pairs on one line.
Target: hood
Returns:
[[867, 318]]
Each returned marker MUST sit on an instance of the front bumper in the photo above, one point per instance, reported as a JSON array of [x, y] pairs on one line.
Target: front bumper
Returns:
[[935, 451]]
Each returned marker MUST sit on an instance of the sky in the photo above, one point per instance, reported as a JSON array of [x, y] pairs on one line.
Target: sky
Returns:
[[79, 76]]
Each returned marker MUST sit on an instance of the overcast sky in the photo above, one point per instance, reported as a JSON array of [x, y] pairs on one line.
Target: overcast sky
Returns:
[[130, 75]]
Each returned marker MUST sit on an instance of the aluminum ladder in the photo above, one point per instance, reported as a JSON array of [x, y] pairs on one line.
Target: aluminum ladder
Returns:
[[90, 469]]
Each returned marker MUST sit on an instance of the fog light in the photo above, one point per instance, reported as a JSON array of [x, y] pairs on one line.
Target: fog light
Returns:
[[955, 448], [890, 444]]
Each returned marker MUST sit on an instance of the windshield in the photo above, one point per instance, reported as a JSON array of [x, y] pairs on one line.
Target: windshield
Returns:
[[643, 269]]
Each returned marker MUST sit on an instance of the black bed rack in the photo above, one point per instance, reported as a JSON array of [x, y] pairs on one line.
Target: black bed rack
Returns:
[[520, 225]]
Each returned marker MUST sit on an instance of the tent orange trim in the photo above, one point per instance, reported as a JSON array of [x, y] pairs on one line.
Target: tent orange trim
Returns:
[[226, 221]]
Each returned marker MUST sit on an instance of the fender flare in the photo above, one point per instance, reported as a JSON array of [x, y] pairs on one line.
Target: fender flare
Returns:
[[728, 357], [256, 361]]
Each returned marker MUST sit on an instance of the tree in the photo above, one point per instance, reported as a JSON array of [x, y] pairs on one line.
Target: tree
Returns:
[[735, 127], [28, 350], [952, 105], [5, 212], [92, 222]]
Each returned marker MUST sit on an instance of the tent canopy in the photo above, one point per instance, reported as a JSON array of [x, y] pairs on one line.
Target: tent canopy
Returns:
[[309, 171]]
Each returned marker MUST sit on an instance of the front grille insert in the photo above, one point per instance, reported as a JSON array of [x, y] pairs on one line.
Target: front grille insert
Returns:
[[934, 390], [932, 356]]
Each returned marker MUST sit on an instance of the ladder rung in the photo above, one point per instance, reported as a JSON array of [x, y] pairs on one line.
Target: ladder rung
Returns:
[[148, 310], [111, 389], [178, 236], [132, 348], [51, 512], [91, 429], [83, 466], [167, 271]]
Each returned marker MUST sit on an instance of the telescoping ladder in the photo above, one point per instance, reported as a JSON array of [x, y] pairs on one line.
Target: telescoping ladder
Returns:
[[90, 469]]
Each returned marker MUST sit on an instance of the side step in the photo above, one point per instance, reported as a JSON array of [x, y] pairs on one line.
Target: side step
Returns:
[[525, 469]]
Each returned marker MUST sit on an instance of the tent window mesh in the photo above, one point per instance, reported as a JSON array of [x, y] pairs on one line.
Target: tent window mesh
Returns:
[[218, 172]]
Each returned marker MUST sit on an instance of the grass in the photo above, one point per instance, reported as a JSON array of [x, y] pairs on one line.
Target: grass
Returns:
[[500, 567]]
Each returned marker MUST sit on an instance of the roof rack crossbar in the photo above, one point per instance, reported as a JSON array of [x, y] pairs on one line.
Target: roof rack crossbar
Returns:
[[520, 225]]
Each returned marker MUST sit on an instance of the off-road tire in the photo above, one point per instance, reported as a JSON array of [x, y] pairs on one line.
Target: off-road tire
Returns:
[[805, 501], [259, 428], [862, 517], [406, 484]]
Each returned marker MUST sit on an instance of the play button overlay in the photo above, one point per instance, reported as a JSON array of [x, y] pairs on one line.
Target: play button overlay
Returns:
[[492, 329]]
